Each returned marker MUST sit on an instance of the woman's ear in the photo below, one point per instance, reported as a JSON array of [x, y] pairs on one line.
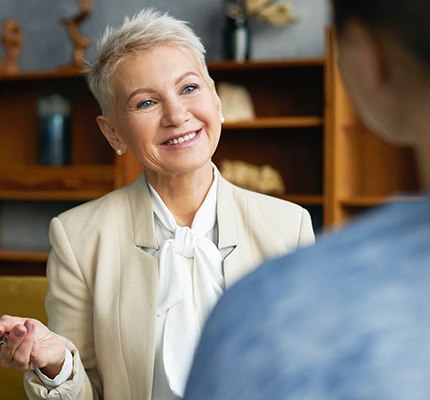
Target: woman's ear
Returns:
[[219, 108], [217, 100], [110, 134]]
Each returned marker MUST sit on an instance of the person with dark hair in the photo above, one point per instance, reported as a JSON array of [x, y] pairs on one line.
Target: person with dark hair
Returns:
[[348, 318]]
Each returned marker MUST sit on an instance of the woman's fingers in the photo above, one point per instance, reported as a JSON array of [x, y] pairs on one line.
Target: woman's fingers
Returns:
[[17, 353], [30, 344]]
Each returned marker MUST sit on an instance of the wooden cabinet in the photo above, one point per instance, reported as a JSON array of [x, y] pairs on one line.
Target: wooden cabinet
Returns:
[[305, 127], [362, 170]]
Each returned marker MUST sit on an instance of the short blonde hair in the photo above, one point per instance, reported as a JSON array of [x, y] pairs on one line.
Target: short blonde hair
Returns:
[[144, 30]]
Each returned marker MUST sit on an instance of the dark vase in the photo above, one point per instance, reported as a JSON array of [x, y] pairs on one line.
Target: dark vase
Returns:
[[237, 43], [54, 131]]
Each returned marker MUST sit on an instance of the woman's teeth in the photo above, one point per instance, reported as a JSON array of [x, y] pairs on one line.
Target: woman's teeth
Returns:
[[182, 139]]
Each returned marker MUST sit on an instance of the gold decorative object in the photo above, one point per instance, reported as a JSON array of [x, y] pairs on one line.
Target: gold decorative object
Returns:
[[11, 39], [264, 179], [274, 12], [236, 102], [79, 41]]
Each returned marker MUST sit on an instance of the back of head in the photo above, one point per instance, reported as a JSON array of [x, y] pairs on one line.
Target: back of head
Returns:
[[408, 20], [145, 30]]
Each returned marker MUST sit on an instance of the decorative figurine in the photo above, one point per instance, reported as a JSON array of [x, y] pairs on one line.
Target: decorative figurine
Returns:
[[237, 104], [276, 13], [11, 39], [79, 41], [263, 179]]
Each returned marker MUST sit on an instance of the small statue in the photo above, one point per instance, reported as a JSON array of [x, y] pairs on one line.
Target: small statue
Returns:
[[11, 39], [264, 178], [79, 41], [276, 13], [236, 102]]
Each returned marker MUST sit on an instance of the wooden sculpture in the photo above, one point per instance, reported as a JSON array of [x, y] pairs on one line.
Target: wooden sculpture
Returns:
[[11, 39], [79, 41]]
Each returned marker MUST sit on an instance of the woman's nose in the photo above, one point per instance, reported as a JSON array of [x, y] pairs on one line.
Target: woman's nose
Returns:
[[174, 112]]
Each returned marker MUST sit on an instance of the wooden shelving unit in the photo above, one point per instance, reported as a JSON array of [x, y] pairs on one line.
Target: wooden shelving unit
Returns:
[[305, 127], [362, 171]]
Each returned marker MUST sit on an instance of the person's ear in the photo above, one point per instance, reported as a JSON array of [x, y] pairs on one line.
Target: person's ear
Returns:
[[365, 49], [218, 103], [111, 135]]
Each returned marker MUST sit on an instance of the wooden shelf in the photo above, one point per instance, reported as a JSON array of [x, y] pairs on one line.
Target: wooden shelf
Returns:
[[229, 66], [276, 122], [56, 183], [57, 74], [23, 256], [372, 201], [304, 200]]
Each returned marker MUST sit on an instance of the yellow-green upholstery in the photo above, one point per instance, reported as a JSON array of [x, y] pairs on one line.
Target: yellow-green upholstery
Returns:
[[23, 296]]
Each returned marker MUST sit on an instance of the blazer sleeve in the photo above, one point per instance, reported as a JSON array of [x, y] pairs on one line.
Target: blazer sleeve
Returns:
[[68, 306]]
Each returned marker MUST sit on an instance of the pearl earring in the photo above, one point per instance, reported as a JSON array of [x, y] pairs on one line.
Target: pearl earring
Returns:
[[222, 120], [119, 152]]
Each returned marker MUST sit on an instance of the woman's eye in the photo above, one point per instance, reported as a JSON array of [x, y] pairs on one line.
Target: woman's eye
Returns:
[[190, 89], [145, 104]]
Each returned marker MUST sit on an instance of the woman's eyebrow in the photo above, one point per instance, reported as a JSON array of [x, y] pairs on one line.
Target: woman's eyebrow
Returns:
[[185, 75]]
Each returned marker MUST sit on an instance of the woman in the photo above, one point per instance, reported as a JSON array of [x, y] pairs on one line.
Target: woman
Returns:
[[349, 317], [133, 275]]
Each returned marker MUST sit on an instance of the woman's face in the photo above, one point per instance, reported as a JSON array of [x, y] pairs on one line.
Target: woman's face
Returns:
[[167, 113]]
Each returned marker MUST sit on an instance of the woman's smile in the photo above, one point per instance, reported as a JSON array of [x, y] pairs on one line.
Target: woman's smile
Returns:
[[184, 139]]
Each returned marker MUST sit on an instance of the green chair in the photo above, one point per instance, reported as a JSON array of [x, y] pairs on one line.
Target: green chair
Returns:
[[23, 296]]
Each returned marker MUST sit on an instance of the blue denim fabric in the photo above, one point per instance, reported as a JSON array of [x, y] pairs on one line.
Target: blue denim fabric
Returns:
[[346, 319]]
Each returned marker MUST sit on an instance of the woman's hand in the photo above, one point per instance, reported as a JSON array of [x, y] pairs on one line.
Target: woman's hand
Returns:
[[30, 344]]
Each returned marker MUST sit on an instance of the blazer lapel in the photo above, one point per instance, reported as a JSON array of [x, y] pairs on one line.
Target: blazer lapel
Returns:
[[142, 214], [139, 280], [229, 233]]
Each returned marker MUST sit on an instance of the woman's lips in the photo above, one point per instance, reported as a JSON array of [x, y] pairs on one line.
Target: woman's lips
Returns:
[[182, 139]]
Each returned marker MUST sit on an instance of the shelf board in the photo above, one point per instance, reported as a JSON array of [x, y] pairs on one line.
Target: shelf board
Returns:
[[71, 72], [375, 200], [23, 256], [276, 122], [81, 182], [59, 195], [59, 73], [304, 199], [265, 64]]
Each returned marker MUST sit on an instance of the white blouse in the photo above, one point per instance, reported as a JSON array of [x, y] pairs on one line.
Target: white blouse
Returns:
[[190, 282]]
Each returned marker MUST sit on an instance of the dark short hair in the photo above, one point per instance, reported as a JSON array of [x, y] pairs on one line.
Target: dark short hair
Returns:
[[409, 20]]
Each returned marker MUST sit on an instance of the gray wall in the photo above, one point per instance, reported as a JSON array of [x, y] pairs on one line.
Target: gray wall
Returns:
[[46, 45]]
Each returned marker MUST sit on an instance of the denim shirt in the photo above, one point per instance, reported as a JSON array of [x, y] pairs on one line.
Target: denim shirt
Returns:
[[348, 318]]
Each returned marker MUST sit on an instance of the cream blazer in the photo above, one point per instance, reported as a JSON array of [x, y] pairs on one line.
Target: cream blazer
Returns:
[[102, 291]]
